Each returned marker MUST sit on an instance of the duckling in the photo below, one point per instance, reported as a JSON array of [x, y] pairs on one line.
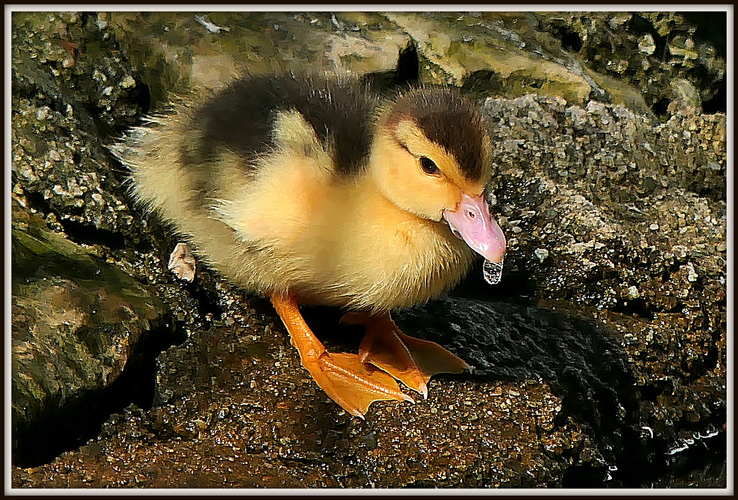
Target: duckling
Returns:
[[309, 190]]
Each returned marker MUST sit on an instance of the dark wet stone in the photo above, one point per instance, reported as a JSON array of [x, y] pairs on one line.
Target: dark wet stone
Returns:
[[77, 322], [650, 51], [240, 411], [69, 92]]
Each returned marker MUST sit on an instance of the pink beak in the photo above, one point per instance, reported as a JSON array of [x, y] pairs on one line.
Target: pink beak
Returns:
[[472, 222]]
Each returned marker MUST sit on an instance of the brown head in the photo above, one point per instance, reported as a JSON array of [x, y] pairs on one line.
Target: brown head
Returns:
[[430, 157]]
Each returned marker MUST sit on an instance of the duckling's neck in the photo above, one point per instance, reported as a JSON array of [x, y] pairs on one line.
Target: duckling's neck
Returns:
[[395, 257], [370, 201]]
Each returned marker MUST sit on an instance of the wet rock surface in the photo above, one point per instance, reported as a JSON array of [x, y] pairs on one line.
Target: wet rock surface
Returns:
[[673, 58], [77, 323], [599, 360]]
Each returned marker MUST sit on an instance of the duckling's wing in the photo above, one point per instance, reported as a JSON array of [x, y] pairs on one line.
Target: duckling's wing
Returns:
[[243, 117]]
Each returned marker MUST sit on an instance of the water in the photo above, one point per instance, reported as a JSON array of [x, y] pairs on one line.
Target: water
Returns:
[[492, 272]]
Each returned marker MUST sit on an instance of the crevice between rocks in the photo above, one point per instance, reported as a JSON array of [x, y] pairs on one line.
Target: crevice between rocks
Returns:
[[68, 425]]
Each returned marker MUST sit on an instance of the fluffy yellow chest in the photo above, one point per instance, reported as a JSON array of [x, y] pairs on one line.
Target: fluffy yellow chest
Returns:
[[340, 242]]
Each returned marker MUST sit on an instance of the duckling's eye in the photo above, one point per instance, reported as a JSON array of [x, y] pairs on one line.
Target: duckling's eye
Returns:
[[429, 166]]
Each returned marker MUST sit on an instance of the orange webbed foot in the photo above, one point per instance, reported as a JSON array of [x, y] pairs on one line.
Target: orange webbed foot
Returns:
[[408, 359], [352, 383], [344, 377]]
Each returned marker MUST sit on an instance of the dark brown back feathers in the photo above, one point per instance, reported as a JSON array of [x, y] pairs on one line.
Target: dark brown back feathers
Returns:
[[241, 118]]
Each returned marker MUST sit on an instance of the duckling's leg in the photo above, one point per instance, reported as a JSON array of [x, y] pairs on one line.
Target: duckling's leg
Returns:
[[410, 360], [344, 377]]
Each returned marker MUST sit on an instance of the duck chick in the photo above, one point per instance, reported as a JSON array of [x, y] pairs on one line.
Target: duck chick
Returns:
[[314, 191]]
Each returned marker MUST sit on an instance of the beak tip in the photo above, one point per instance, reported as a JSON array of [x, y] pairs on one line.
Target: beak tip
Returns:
[[473, 222]]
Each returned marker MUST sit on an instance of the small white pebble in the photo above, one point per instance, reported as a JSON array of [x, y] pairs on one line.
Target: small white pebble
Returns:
[[128, 82], [98, 198], [42, 113], [691, 273], [541, 254], [182, 263]]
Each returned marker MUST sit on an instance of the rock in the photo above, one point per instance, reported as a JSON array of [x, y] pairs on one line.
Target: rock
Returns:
[[620, 250], [667, 50], [58, 152], [77, 321], [228, 428]]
